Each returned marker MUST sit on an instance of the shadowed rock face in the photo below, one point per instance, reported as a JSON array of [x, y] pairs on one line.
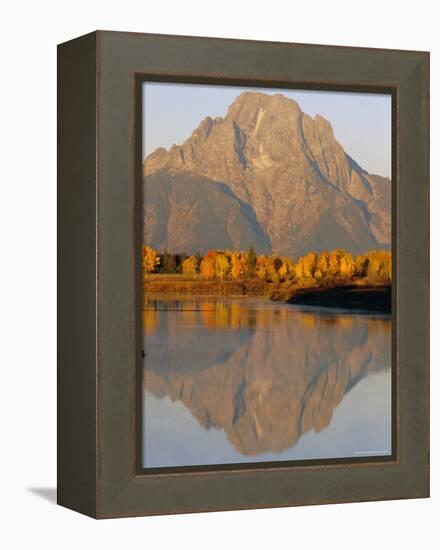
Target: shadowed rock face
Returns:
[[288, 185], [191, 213], [263, 393]]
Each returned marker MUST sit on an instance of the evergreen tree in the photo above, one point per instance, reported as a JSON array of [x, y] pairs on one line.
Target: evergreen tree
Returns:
[[169, 262], [251, 262], [179, 259]]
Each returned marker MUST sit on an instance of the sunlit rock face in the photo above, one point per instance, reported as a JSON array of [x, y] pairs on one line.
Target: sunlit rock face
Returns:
[[266, 175], [246, 381]]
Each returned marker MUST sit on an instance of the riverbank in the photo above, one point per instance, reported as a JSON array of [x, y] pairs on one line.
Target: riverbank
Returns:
[[178, 284], [346, 296], [365, 298]]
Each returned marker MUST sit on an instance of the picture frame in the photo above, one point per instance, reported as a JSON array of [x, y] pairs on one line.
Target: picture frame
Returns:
[[99, 291]]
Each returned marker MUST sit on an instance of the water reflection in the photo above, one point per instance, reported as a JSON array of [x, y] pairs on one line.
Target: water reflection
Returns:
[[263, 373]]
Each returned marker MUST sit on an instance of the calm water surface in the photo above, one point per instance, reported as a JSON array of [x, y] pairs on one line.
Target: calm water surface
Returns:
[[229, 380]]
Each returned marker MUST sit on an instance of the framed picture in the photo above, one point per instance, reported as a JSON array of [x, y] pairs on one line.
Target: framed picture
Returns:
[[243, 274]]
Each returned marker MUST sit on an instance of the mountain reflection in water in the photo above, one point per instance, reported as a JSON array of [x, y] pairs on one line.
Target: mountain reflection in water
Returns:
[[264, 373]]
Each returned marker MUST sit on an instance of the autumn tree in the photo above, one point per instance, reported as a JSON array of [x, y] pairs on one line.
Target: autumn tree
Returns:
[[306, 266], [373, 269], [239, 265], [274, 265], [190, 266], [374, 266], [207, 266], [262, 266], [387, 266], [347, 266], [277, 263], [379, 267], [361, 264], [222, 266], [323, 264], [287, 269], [335, 258], [266, 268], [310, 264], [150, 260]]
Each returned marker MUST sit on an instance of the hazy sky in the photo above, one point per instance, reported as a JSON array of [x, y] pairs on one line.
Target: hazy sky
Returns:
[[361, 122]]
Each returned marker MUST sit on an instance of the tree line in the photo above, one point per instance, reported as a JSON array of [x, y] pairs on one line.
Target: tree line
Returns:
[[313, 268]]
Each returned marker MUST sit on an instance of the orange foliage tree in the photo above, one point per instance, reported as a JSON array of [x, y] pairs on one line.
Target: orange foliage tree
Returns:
[[207, 266]]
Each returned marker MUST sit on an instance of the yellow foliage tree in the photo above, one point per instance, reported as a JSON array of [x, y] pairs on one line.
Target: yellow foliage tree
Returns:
[[222, 266], [239, 265], [361, 264], [324, 263], [347, 265], [373, 269], [334, 264], [262, 266], [388, 267], [287, 269], [310, 264], [190, 266], [273, 265], [306, 266], [379, 266], [374, 266], [268, 267], [150, 260]]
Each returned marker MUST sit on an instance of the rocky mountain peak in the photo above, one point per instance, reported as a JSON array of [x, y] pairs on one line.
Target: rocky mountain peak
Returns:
[[323, 125], [249, 109], [289, 169]]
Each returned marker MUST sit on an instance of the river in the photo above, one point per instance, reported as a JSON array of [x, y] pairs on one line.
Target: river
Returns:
[[231, 380]]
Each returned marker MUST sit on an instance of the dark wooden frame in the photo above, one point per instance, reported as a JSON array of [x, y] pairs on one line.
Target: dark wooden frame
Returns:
[[99, 338]]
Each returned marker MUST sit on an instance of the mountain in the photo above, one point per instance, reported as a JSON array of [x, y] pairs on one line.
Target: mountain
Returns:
[[266, 175]]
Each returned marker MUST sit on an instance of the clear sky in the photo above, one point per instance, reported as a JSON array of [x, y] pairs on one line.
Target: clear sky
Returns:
[[361, 122]]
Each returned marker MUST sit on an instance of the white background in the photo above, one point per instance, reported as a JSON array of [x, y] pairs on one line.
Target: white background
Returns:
[[29, 33]]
